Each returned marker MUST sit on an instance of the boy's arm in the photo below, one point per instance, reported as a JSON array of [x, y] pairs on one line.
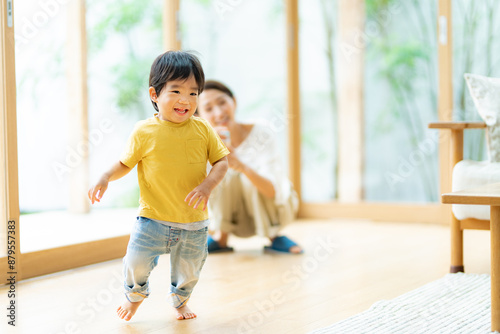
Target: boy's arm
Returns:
[[201, 193], [116, 171]]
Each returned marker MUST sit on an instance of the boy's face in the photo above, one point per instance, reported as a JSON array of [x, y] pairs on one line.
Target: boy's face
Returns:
[[177, 100]]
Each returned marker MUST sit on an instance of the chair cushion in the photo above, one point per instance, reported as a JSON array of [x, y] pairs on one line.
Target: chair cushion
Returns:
[[485, 93], [471, 174]]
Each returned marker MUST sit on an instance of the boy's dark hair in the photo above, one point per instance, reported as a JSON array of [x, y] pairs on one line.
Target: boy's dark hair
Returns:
[[175, 65], [213, 84]]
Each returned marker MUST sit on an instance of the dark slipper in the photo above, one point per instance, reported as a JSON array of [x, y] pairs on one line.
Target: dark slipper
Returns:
[[281, 244], [214, 247]]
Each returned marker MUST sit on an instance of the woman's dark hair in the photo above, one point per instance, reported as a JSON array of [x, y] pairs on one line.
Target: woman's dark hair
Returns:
[[213, 84], [175, 65]]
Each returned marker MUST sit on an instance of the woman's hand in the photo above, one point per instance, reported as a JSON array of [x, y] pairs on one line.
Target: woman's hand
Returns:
[[235, 163], [232, 158], [225, 135]]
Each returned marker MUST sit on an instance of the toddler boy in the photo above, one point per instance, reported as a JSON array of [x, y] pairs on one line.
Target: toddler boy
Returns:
[[170, 150]]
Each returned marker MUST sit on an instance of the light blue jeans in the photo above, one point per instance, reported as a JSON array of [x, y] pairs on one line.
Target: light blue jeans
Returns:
[[149, 240]]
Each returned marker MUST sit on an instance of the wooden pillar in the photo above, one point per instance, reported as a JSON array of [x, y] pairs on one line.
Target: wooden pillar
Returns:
[[456, 232], [9, 187], [351, 100], [445, 94], [76, 47], [495, 268], [293, 92], [171, 31]]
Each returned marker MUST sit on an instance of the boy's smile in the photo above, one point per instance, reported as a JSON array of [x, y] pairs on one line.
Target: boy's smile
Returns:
[[181, 110], [177, 101]]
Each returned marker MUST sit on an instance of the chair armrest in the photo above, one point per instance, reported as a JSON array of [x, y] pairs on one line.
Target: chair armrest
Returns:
[[457, 125], [457, 137]]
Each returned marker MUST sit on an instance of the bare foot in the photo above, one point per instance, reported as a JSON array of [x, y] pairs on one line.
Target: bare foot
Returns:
[[295, 250], [184, 313], [127, 310]]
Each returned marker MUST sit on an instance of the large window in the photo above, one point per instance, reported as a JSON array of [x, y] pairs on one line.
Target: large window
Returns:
[[401, 80], [123, 38], [476, 50], [41, 106], [242, 44], [400, 98], [42, 118], [318, 32]]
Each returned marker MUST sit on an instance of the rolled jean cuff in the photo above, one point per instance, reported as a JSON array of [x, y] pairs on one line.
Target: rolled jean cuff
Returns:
[[134, 297], [178, 298]]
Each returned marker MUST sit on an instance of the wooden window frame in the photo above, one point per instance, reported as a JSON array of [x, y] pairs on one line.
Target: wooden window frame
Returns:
[[52, 260], [384, 211]]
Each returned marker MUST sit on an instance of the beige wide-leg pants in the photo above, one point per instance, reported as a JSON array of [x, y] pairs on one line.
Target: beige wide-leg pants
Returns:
[[237, 207]]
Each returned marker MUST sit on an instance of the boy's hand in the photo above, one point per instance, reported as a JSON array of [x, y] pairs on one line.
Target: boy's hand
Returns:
[[100, 187], [199, 195]]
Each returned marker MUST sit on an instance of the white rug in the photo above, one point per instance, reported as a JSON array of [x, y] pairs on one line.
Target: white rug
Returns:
[[457, 303]]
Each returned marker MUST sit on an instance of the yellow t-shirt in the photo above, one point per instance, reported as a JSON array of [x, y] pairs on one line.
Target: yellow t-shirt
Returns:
[[171, 161]]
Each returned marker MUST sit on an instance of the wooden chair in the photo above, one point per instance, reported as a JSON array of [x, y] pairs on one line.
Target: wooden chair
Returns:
[[458, 226]]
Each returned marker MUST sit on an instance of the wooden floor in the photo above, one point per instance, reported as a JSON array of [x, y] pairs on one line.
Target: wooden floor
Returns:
[[347, 266]]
